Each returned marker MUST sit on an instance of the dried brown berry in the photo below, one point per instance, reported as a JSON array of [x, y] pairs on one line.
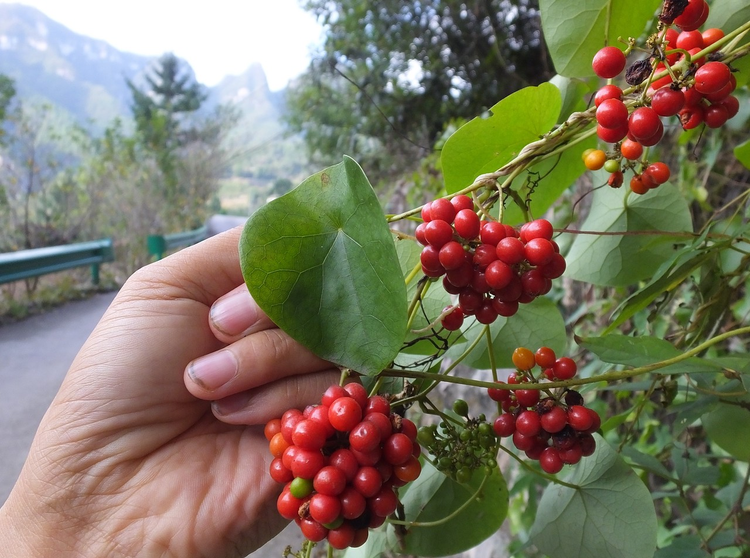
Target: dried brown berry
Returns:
[[672, 9], [638, 71]]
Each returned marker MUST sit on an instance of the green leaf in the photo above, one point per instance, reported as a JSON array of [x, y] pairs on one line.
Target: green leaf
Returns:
[[320, 261], [624, 259], [688, 546], [538, 324], [742, 152], [488, 142], [575, 31], [609, 515], [727, 427], [728, 15], [573, 93], [646, 461], [642, 351], [433, 497]]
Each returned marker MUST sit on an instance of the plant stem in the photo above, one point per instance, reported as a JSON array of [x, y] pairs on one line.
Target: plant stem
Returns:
[[736, 508], [447, 518], [606, 377]]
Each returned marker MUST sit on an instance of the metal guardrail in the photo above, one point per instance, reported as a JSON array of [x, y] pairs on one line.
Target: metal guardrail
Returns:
[[158, 244], [25, 264]]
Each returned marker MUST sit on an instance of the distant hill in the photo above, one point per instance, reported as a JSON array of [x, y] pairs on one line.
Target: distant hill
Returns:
[[49, 62], [85, 79]]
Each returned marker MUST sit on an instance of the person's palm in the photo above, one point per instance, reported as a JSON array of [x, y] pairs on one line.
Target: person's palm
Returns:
[[135, 461]]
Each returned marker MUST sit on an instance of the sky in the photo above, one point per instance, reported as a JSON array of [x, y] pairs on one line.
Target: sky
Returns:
[[217, 37]]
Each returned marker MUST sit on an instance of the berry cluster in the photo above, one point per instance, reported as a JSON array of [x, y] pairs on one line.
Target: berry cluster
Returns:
[[695, 90], [341, 462], [461, 447], [491, 267], [555, 429]]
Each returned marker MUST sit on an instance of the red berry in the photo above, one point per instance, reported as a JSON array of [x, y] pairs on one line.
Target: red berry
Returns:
[[470, 301], [690, 39], [307, 463], [462, 201], [330, 480], [564, 368], [443, 210], [344, 460], [364, 437], [527, 397], [287, 505], [438, 233], [491, 233], [539, 228], [312, 530], [716, 116], [667, 101], [453, 320], [367, 481], [510, 250], [556, 266], [608, 62], [504, 425], [430, 259], [691, 116], [643, 123], [452, 255], [607, 92], [484, 255], [498, 274], [630, 149], [691, 16], [397, 448], [466, 224], [409, 470], [486, 314], [341, 537], [611, 135], [528, 423], [344, 414], [659, 172], [505, 309], [711, 35], [278, 472], [612, 114], [554, 420], [550, 461], [711, 77], [332, 394], [539, 251], [384, 503], [353, 504], [309, 434], [579, 418]]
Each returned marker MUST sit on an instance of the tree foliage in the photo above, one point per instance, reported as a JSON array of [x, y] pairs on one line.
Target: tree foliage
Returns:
[[402, 70]]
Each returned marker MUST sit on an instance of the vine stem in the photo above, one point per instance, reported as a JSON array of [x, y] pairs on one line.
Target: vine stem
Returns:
[[733, 510], [606, 377], [542, 474], [447, 518]]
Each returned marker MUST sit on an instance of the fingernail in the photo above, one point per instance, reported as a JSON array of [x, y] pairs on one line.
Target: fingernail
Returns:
[[232, 404], [234, 313], [214, 370]]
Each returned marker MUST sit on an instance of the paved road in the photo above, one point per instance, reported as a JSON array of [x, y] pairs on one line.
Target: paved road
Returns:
[[35, 354]]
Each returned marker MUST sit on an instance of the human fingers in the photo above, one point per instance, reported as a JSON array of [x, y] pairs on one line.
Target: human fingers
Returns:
[[252, 361], [259, 405], [236, 315], [203, 272]]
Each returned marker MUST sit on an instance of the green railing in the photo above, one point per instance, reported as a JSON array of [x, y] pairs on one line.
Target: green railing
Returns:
[[25, 264], [158, 244]]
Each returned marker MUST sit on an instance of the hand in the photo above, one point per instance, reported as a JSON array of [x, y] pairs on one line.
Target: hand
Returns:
[[130, 459]]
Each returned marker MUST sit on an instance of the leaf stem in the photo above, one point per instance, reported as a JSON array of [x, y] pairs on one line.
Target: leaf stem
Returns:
[[447, 518], [606, 377]]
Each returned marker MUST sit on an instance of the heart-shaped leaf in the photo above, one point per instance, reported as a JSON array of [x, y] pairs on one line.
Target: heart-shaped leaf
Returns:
[[609, 515], [320, 261], [433, 497], [575, 31]]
